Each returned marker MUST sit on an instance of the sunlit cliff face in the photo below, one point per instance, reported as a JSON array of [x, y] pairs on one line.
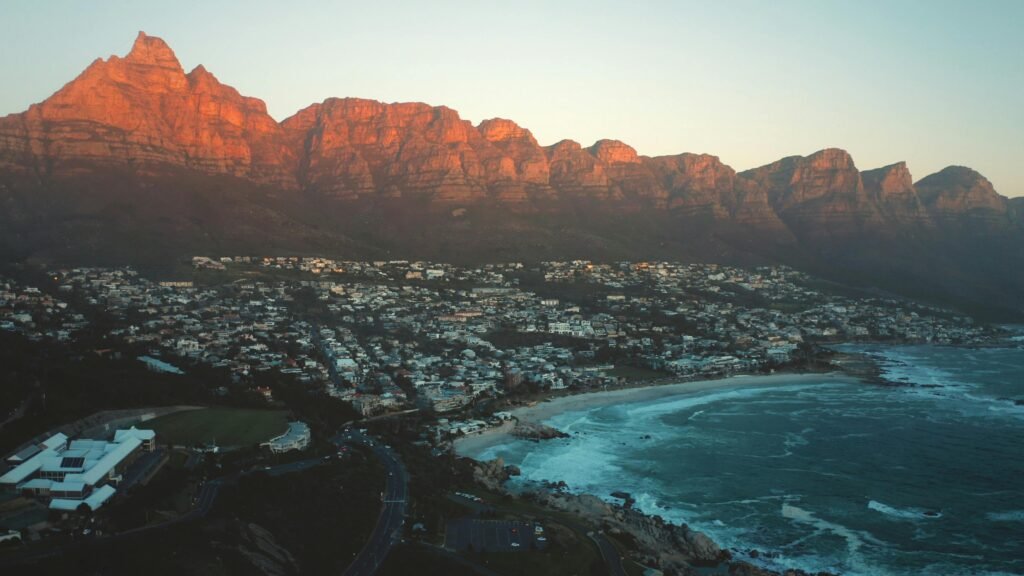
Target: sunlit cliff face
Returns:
[[143, 112]]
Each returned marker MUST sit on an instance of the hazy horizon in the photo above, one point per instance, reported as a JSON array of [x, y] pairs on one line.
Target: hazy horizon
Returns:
[[930, 83]]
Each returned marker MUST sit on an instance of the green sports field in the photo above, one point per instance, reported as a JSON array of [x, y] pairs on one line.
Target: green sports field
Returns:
[[226, 426]]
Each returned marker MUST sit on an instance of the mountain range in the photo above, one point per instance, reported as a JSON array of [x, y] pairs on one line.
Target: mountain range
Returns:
[[136, 161]]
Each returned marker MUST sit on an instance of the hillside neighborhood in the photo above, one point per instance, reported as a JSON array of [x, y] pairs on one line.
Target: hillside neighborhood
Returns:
[[393, 335]]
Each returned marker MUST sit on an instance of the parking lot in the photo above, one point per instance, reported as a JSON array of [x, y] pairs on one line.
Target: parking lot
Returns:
[[492, 536]]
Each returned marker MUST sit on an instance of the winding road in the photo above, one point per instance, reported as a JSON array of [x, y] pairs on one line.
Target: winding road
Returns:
[[609, 553], [388, 531]]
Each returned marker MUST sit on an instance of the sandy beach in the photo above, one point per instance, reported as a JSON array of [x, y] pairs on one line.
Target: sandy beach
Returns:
[[473, 444]]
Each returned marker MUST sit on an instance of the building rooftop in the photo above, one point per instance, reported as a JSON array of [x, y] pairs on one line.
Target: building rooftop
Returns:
[[134, 432], [78, 462], [95, 500]]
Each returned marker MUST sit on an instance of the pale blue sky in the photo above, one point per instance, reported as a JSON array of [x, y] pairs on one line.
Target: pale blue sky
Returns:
[[932, 82]]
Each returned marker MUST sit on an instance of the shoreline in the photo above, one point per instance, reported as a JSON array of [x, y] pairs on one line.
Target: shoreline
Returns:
[[543, 411], [596, 509], [848, 367]]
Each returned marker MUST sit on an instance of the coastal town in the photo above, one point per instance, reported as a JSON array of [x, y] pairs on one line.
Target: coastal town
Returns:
[[547, 289], [458, 347], [389, 336]]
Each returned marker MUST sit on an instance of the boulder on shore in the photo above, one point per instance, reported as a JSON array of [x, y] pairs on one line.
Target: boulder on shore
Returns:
[[534, 431], [673, 547], [493, 473]]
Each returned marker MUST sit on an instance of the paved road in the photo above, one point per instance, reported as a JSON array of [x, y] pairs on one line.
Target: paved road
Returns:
[[609, 553], [388, 531]]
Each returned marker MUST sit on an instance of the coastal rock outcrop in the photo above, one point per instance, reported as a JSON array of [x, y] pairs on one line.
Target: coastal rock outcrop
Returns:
[[746, 569], [536, 431], [493, 473], [674, 548]]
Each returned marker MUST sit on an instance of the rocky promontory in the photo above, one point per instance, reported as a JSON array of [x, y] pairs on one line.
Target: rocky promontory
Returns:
[[673, 548], [535, 431]]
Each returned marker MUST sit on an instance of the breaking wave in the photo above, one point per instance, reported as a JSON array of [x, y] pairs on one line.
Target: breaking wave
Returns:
[[904, 513]]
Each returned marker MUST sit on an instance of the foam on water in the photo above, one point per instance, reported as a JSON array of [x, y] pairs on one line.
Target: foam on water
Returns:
[[855, 539], [904, 513], [650, 410], [1008, 516], [837, 477], [910, 366]]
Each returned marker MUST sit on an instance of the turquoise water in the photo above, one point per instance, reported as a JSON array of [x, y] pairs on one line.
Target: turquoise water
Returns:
[[853, 478]]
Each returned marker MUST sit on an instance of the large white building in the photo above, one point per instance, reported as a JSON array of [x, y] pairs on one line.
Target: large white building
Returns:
[[75, 472], [296, 438]]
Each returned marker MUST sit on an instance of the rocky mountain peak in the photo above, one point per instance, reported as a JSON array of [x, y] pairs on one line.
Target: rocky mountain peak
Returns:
[[892, 188], [614, 152], [958, 190], [502, 130], [830, 159], [152, 51], [201, 79], [956, 176], [797, 179], [563, 146], [889, 180], [143, 114], [136, 143]]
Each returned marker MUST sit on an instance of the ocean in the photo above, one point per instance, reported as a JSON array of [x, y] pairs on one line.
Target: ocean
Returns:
[[852, 478]]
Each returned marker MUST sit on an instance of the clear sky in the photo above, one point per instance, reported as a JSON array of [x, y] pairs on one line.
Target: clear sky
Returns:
[[932, 82]]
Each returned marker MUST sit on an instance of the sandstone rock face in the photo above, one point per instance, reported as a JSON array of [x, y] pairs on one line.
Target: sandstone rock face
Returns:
[[353, 146], [702, 184], [576, 172], [516, 166], [143, 111], [956, 193], [796, 180], [821, 194], [892, 188], [613, 152], [628, 177], [696, 182]]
